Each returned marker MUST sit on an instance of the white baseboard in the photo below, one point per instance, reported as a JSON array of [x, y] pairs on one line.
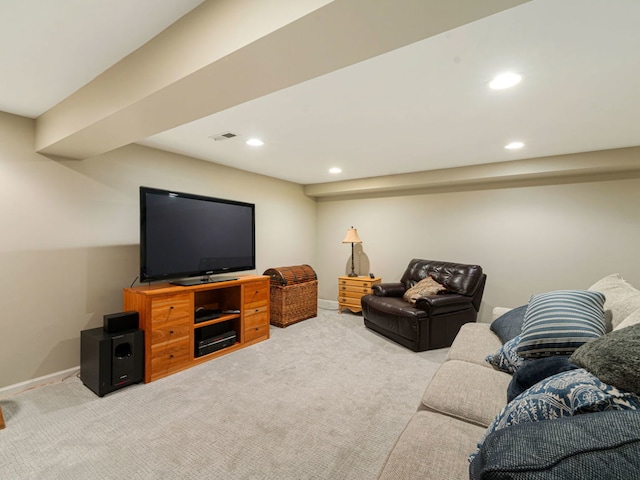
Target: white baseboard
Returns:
[[38, 382], [60, 376]]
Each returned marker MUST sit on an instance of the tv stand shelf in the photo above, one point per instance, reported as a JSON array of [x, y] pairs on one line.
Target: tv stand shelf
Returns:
[[213, 321], [167, 316]]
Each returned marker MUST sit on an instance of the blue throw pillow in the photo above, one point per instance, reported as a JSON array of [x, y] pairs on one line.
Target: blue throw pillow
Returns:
[[506, 358], [562, 395], [531, 372], [604, 445], [509, 325], [557, 323]]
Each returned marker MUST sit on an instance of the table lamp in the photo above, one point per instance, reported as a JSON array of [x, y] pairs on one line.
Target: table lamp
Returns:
[[352, 238]]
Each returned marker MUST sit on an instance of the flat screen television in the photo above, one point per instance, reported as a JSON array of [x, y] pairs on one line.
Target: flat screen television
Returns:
[[191, 237]]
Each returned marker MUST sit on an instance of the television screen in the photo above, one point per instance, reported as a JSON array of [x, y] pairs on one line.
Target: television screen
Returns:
[[185, 235]]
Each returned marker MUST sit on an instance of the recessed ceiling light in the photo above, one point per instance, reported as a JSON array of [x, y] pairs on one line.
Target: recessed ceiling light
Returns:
[[514, 145], [505, 80], [335, 170], [255, 142]]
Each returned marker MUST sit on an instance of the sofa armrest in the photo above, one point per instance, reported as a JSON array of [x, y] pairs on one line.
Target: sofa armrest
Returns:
[[388, 289], [449, 302]]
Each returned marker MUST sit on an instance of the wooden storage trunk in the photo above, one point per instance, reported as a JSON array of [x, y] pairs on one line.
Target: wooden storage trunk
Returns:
[[294, 294]]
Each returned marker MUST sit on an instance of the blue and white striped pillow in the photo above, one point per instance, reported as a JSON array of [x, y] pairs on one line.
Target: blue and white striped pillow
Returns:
[[557, 323]]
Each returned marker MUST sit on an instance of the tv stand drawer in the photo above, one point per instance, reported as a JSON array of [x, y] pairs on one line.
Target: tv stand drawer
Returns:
[[170, 309], [170, 357]]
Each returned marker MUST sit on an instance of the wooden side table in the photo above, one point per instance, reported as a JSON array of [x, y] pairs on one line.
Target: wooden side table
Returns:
[[1, 419], [352, 289]]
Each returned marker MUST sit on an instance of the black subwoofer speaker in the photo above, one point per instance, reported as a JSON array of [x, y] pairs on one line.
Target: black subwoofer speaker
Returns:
[[110, 361], [120, 322]]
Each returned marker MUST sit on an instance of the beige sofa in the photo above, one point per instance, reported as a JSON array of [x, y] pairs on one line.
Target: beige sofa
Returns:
[[460, 402], [467, 393]]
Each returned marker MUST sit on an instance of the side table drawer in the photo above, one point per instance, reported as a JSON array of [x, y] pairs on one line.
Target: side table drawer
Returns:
[[360, 293], [352, 289], [350, 301], [357, 284]]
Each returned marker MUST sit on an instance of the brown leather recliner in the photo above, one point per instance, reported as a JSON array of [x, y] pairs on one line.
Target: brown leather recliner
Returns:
[[434, 321]]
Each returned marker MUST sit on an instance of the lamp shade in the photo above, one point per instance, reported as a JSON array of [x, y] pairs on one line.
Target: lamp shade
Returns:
[[352, 236]]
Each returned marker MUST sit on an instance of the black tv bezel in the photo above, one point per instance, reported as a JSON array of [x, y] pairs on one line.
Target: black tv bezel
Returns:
[[203, 274]]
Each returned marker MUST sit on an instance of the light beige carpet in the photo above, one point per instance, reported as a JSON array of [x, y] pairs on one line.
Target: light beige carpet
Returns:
[[322, 399]]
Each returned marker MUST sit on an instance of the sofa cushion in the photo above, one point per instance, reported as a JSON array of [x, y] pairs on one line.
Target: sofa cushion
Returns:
[[558, 322], [622, 299], [534, 371], [565, 394], [473, 343], [506, 359], [509, 325], [614, 358], [431, 447], [595, 446], [467, 391], [424, 288]]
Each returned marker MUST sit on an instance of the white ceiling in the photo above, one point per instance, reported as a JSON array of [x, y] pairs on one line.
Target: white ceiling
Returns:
[[49, 49], [425, 106]]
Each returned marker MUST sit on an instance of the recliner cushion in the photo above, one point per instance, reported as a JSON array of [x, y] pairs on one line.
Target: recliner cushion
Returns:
[[393, 314]]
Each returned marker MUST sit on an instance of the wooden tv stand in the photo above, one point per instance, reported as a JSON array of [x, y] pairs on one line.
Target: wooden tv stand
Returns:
[[167, 316]]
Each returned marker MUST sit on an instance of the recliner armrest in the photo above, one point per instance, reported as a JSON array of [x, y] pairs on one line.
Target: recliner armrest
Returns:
[[388, 289], [446, 303]]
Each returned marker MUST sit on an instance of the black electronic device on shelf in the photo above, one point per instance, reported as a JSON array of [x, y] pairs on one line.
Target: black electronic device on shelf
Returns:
[[213, 344], [212, 338], [206, 314]]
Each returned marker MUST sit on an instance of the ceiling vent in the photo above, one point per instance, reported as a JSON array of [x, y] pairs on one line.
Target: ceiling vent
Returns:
[[219, 137]]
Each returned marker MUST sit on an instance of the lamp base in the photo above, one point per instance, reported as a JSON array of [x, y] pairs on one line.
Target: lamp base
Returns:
[[353, 265]]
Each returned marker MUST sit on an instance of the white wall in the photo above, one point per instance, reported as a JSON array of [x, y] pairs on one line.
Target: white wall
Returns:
[[69, 242], [527, 239]]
